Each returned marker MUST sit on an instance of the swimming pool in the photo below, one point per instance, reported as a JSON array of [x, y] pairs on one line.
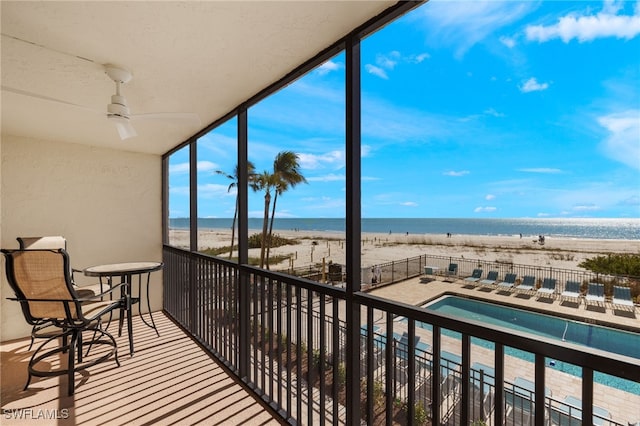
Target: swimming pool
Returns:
[[592, 336], [589, 335]]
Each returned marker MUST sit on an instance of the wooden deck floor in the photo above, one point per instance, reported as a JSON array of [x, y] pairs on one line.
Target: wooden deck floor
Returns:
[[169, 381]]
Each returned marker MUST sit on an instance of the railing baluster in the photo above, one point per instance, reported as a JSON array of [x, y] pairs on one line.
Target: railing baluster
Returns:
[[323, 358], [288, 346], [436, 379], [369, 365], [540, 390], [299, 352], [336, 359], [411, 372], [310, 360], [280, 340], [388, 379], [499, 384], [270, 321], [466, 378]]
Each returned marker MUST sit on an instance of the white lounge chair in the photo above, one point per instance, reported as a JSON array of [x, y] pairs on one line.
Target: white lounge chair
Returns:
[[509, 281], [548, 288], [528, 283], [569, 412], [622, 296], [491, 279], [595, 293], [571, 291], [475, 276]]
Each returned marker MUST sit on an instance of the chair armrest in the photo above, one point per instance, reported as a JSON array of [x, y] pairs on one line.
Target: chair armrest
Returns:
[[101, 295]]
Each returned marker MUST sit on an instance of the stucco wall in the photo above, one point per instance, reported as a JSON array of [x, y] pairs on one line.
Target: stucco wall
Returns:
[[106, 203]]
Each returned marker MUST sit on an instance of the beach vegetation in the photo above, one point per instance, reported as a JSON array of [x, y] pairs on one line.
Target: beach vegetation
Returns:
[[569, 257], [420, 414], [614, 264], [253, 261], [276, 241]]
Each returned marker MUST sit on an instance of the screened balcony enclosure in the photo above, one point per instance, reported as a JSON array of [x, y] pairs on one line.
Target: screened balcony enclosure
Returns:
[[260, 345]]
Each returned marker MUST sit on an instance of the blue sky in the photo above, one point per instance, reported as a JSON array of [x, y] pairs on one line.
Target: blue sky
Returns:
[[470, 109]]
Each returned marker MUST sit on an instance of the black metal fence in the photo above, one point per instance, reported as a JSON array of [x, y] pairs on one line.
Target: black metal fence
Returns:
[[288, 339], [400, 270]]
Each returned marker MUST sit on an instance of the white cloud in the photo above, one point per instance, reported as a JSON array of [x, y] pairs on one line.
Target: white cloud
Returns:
[[327, 67], [456, 173], [623, 142], [313, 161], [409, 204], [327, 178], [532, 85], [206, 166], [484, 209], [508, 41], [389, 61], [463, 24], [179, 168], [202, 166], [377, 71], [586, 208], [416, 59], [493, 112], [214, 190], [545, 170], [179, 190], [489, 197], [607, 23]]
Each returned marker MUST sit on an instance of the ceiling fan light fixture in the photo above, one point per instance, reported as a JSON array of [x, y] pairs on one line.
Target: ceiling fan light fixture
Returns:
[[125, 129]]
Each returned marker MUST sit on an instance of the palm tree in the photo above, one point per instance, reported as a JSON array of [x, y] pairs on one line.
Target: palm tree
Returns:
[[264, 181], [286, 174], [234, 184]]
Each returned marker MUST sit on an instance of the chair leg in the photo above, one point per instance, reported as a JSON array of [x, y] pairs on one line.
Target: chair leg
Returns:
[[26, 386], [71, 365], [79, 347]]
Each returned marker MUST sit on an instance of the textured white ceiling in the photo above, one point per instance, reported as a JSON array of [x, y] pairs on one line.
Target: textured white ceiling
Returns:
[[196, 57]]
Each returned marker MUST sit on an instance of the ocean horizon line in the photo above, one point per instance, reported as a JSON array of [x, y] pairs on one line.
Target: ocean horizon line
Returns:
[[595, 228]]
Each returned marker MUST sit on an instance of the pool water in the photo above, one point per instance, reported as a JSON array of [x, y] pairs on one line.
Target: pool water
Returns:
[[593, 336]]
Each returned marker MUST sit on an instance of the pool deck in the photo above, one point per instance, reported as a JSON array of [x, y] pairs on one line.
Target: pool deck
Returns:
[[623, 406]]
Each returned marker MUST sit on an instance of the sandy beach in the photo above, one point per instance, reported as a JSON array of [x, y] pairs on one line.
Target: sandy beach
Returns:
[[313, 246]]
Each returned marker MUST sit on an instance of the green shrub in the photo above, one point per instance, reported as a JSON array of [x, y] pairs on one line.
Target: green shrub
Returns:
[[255, 241], [614, 264]]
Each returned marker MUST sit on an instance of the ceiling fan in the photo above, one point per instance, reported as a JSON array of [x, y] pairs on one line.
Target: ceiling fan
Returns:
[[118, 110]]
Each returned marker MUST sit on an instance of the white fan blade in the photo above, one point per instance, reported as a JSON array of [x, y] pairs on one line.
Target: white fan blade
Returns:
[[125, 130], [44, 98]]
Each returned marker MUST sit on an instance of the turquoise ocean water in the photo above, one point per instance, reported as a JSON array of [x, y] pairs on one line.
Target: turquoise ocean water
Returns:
[[615, 229]]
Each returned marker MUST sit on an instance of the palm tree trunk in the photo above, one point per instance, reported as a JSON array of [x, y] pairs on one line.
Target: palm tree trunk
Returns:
[[265, 222], [273, 215], [233, 228]]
